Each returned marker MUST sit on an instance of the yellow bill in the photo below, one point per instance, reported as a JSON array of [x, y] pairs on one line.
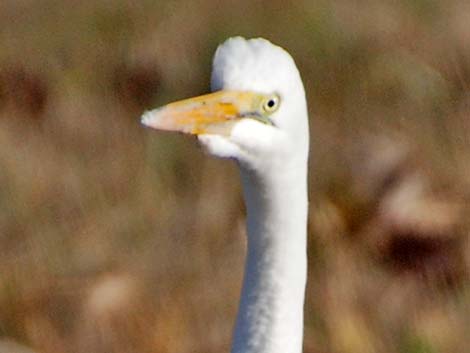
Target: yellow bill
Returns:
[[211, 113]]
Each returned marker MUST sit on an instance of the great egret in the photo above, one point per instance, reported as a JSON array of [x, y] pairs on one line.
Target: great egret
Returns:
[[257, 115]]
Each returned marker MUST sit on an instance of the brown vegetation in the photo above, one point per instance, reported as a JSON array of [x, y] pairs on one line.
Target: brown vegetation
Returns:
[[118, 239]]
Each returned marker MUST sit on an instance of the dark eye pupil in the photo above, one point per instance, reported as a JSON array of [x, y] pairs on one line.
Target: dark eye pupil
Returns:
[[271, 103]]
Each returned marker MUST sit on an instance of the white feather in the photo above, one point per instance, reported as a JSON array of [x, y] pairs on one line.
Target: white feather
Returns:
[[273, 164]]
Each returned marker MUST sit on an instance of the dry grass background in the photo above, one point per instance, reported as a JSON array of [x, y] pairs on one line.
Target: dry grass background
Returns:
[[118, 239]]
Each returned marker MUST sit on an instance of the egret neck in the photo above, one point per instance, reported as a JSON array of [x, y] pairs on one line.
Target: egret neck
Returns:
[[270, 316]]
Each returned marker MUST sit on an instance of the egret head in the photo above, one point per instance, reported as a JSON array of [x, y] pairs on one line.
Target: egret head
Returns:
[[257, 112]]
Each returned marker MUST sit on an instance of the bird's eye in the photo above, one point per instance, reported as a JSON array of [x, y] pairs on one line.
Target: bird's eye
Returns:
[[271, 104]]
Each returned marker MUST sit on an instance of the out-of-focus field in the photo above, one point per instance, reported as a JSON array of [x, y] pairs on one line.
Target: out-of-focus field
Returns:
[[114, 238]]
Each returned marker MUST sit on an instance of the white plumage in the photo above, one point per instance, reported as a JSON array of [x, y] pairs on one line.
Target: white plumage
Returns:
[[258, 116]]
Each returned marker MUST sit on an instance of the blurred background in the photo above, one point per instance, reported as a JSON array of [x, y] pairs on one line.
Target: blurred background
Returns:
[[114, 238]]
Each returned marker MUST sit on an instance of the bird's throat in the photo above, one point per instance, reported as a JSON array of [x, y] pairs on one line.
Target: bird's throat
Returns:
[[270, 316]]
